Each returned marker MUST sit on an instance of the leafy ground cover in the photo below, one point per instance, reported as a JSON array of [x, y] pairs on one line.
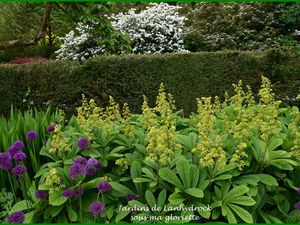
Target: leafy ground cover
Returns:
[[233, 161]]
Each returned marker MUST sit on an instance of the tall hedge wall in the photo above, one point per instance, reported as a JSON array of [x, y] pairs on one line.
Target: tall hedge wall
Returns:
[[127, 78]]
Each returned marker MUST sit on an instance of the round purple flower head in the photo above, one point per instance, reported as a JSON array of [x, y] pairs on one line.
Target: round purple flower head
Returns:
[[90, 170], [94, 162], [80, 160], [97, 208], [297, 206], [19, 145], [83, 143], [51, 128], [41, 194], [19, 156], [12, 151], [31, 135], [131, 197], [76, 170], [16, 217], [19, 170], [69, 193], [5, 163], [104, 186]]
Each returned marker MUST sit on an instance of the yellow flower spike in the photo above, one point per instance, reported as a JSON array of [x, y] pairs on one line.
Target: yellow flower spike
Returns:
[[266, 93]]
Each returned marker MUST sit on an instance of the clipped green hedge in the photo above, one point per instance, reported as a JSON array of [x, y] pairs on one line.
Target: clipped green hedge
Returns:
[[127, 78]]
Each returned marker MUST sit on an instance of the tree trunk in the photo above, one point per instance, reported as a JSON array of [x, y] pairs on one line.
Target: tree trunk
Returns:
[[40, 34]]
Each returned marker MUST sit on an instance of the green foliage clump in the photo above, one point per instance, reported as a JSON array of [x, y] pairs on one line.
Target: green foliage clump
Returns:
[[235, 161]]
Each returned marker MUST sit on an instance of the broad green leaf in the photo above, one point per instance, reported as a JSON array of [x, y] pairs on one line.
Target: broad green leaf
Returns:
[[122, 214], [57, 198], [55, 210], [150, 198], [121, 188], [169, 176], [141, 180], [235, 192], [275, 142], [267, 179], [182, 167], [29, 217], [135, 170], [162, 198], [193, 176], [242, 213], [72, 214], [228, 213], [148, 173], [21, 206], [242, 200], [92, 183], [176, 198], [196, 192], [223, 177]]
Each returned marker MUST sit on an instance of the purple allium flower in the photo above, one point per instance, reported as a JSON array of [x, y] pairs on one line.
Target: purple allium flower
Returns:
[[51, 128], [83, 143], [79, 192], [132, 197], [80, 160], [104, 186], [90, 170], [19, 156], [19, 145], [97, 208], [41, 194], [297, 205], [76, 170], [16, 217], [5, 163], [31, 135], [12, 151], [69, 193], [19, 170], [94, 162]]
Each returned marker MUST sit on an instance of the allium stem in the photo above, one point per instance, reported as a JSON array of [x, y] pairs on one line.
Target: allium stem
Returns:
[[80, 209], [12, 187]]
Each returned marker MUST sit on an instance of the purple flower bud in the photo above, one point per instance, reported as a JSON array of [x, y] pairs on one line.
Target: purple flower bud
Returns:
[[297, 206], [31, 135], [79, 192], [94, 162], [76, 170], [97, 208], [41, 194], [83, 143], [104, 186], [19, 156], [69, 193], [19, 170], [51, 128], [19, 145], [80, 160], [12, 151], [16, 217], [131, 197], [90, 170], [5, 162]]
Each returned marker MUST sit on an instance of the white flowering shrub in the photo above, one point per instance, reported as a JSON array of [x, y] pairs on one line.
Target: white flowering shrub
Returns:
[[79, 44], [158, 28]]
